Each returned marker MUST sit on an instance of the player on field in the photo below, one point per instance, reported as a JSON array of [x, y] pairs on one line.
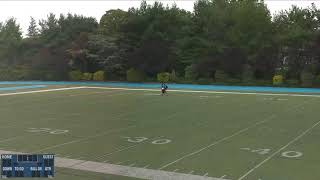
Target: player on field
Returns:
[[164, 88]]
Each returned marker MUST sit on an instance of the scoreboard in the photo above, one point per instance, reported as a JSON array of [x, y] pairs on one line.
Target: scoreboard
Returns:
[[27, 165]]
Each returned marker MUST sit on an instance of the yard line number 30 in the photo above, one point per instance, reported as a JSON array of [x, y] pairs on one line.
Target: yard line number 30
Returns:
[[142, 139], [47, 130]]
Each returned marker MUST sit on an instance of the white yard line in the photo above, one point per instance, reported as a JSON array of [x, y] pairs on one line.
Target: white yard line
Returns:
[[40, 91], [132, 164], [85, 138], [282, 148], [217, 142], [210, 92], [126, 148], [229, 137]]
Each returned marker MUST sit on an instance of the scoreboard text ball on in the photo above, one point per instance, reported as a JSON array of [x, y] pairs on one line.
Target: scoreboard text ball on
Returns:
[[27, 165]]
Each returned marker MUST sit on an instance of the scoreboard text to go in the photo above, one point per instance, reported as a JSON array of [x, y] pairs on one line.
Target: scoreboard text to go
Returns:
[[27, 165]]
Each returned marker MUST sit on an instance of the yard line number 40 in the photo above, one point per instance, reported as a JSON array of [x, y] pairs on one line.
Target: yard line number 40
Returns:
[[287, 154]]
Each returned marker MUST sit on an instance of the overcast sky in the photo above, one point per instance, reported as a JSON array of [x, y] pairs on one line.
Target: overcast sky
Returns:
[[22, 10]]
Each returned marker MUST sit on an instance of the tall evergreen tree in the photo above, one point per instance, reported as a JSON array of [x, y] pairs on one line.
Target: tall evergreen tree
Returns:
[[33, 30]]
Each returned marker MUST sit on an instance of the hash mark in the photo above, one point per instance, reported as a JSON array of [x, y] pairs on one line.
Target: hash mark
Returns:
[[146, 166]]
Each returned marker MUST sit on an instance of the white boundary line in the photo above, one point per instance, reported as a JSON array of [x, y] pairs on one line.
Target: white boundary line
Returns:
[[155, 90], [40, 91], [210, 92], [282, 148]]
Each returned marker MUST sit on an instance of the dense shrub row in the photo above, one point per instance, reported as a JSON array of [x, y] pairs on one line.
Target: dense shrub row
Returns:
[[134, 75]]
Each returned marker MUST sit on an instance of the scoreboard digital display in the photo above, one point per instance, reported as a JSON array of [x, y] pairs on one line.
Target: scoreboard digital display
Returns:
[[27, 165]]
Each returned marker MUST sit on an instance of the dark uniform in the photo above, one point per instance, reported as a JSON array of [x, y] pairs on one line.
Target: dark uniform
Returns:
[[164, 88]]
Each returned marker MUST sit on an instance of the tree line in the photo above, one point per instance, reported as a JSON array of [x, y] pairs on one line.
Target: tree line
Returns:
[[221, 41]]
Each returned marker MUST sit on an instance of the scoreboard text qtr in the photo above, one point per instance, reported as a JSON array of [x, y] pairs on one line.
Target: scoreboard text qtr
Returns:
[[27, 165]]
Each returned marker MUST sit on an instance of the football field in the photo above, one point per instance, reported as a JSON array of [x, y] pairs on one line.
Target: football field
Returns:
[[138, 134]]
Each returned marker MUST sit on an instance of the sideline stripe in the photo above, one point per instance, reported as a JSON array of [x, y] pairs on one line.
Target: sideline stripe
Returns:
[[275, 153], [40, 91], [120, 170], [155, 90], [210, 92]]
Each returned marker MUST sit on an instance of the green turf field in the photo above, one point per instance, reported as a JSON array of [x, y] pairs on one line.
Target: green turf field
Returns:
[[230, 136]]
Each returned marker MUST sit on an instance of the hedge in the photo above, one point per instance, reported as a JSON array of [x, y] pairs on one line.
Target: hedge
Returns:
[[75, 75], [277, 80], [98, 76], [163, 77], [87, 76]]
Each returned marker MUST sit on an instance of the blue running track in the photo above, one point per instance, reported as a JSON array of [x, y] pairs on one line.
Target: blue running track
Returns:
[[38, 84]]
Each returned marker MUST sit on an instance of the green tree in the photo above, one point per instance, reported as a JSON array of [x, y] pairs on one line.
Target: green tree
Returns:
[[10, 40], [296, 30], [112, 22], [33, 30]]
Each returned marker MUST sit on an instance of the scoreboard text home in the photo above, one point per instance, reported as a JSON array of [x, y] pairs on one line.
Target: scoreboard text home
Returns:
[[27, 165]]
